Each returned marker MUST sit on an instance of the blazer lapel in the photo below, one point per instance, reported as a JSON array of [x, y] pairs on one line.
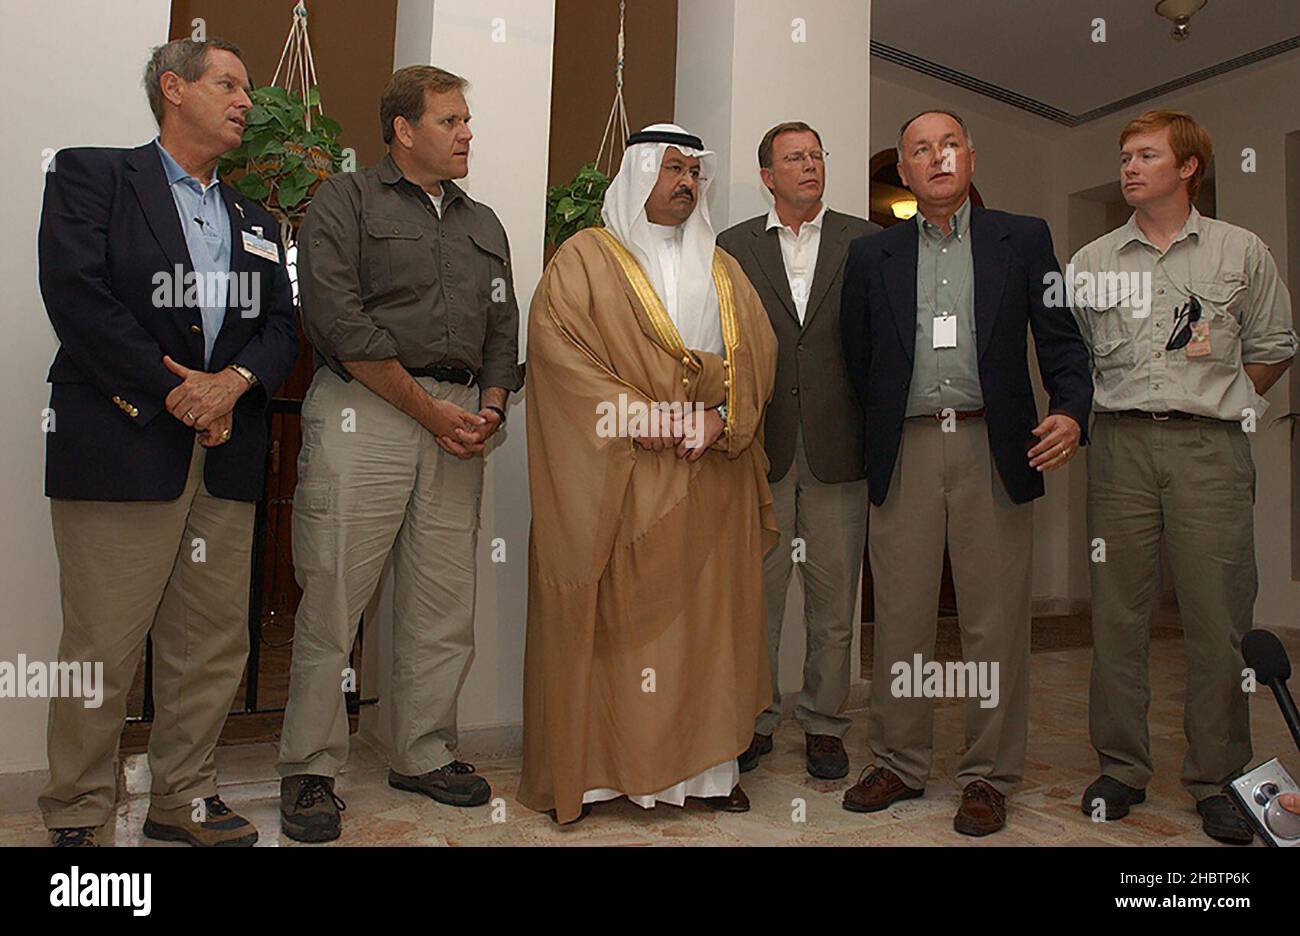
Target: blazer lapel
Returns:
[[990, 258], [899, 273], [150, 184], [767, 250], [830, 255]]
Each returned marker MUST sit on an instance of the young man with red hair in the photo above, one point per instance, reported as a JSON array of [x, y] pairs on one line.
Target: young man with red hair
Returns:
[[1192, 332]]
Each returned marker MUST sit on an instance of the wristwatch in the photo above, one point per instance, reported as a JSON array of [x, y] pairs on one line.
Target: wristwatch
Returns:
[[499, 411], [244, 372]]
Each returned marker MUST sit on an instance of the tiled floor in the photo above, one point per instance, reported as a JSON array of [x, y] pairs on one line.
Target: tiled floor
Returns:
[[789, 807]]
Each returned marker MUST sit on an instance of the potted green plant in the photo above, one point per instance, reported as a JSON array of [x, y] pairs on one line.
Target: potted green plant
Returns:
[[281, 160], [575, 205]]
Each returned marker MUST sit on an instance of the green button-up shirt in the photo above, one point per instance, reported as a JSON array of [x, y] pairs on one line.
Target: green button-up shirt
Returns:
[[1127, 296], [384, 275], [945, 284]]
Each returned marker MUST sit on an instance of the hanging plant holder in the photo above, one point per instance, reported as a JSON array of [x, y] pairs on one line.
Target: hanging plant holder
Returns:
[[576, 205], [289, 145]]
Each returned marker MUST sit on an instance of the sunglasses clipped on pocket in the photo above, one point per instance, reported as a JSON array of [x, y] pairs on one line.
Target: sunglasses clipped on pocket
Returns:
[[1187, 317]]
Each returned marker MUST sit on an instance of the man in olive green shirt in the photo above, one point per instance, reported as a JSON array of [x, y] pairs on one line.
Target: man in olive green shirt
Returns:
[[1189, 325], [407, 298]]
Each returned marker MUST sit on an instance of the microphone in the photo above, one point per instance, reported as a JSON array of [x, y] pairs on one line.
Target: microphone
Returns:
[[1264, 654]]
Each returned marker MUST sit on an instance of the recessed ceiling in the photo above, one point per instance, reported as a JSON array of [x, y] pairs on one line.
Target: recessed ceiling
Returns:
[[1040, 54]]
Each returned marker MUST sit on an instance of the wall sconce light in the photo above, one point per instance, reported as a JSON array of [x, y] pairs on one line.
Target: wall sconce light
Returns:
[[903, 208], [1179, 12]]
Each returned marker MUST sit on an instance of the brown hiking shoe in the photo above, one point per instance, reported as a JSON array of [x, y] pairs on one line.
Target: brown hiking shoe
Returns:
[[453, 785], [877, 788], [825, 757], [76, 837], [983, 810], [218, 826], [735, 801], [309, 810]]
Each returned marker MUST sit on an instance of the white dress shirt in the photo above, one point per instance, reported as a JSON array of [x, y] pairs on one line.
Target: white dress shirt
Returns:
[[799, 252]]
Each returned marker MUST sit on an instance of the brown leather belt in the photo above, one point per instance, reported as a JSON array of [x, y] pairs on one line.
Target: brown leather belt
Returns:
[[956, 414]]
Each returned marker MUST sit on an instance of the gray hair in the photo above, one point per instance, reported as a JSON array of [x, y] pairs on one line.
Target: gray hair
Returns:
[[188, 58], [934, 110]]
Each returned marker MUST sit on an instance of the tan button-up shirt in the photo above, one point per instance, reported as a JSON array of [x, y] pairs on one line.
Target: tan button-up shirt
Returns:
[[383, 274], [1128, 296]]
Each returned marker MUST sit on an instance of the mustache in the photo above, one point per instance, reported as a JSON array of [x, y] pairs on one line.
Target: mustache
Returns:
[[683, 190]]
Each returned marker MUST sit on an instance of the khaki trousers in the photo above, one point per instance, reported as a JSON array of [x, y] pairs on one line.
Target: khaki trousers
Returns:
[[1191, 482], [945, 488], [179, 571], [831, 520], [373, 483]]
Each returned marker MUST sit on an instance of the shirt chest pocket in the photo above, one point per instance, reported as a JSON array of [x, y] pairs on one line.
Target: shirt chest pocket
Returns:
[[1114, 350], [399, 256], [489, 258], [1221, 307]]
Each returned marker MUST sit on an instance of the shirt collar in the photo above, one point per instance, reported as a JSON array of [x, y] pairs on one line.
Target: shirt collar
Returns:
[[1131, 231], [175, 173], [960, 222], [390, 174], [774, 220]]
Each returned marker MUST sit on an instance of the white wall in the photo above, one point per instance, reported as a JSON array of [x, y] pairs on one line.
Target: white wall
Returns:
[[72, 77], [743, 67]]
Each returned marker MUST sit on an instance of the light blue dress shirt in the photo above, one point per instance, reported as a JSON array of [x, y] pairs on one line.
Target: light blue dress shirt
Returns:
[[206, 224]]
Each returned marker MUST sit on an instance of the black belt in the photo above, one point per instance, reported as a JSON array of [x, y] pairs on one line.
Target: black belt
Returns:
[[1160, 417], [457, 375], [956, 414]]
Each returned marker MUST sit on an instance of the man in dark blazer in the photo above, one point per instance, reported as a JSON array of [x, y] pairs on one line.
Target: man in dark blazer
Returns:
[[813, 432], [936, 315], [171, 302]]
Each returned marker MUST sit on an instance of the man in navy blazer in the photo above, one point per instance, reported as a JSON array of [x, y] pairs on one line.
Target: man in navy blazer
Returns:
[[936, 318], [171, 302]]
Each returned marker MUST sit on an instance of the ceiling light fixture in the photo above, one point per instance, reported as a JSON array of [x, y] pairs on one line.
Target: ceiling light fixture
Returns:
[[903, 208], [1179, 12]]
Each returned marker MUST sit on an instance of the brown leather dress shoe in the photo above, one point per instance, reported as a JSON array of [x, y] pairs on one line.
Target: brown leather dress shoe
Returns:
[[877, 788], [736, 801], [983, 810]]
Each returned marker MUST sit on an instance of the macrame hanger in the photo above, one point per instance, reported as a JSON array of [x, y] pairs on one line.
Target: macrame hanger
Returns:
[[297, 63], [616, 130]]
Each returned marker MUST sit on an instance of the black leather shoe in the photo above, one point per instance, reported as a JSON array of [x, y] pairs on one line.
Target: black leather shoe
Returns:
[[586, 811], [760, 744], [825, 757], [1223, 821], [1116, 798], [736, 801]]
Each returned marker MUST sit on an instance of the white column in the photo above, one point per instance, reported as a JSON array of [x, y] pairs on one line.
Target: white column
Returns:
[[743, 67], [47, 52], [504, 50]]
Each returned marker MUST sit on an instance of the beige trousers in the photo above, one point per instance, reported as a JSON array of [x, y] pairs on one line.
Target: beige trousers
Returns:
[[946, 489], [373, 484], [1192, 483], [831, 521], [179, 571]]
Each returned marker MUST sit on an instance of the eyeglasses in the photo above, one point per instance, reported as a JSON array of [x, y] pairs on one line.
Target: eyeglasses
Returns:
[[1187, 316], [797, 159]]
